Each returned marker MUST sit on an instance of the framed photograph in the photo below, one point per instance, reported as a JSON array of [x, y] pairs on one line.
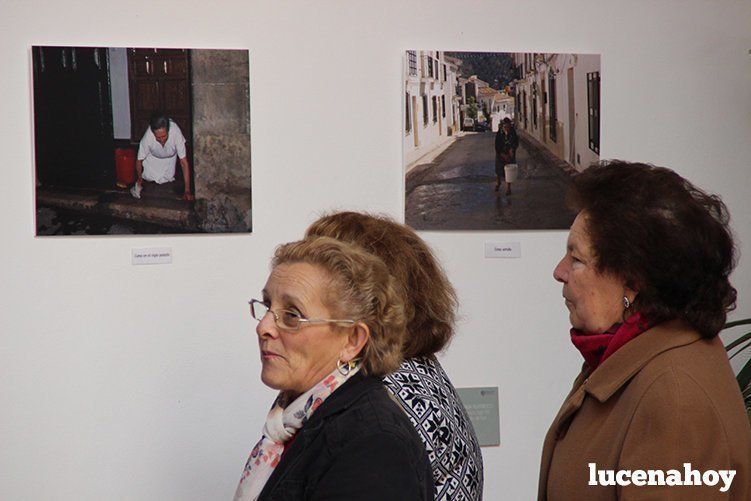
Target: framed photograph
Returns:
[[492, 139], [141, 140]]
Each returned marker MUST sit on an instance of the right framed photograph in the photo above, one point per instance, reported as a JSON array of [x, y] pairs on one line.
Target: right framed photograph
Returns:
[[491, 140]]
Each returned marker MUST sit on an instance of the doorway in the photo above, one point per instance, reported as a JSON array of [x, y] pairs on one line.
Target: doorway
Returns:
[[414, 121], [74, 141], [159, 80], [571, 117]]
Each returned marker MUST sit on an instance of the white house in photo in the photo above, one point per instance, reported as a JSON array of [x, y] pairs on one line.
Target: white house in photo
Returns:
[[498, 104], [558, 104], [469, 91], [486, 101], [456, 101], [430, 110], [470, 88]]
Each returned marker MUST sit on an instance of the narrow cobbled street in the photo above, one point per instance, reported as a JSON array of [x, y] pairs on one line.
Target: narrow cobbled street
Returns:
[[455, 191]]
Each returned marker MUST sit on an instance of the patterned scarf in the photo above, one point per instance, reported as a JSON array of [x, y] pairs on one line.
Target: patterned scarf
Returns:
[[284, 420]]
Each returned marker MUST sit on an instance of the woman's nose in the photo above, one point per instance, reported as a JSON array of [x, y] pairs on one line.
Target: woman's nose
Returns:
[[267, 326], [560, 273]]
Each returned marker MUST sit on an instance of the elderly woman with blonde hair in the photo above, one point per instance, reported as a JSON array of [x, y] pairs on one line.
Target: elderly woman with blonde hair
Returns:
[[331, 324]]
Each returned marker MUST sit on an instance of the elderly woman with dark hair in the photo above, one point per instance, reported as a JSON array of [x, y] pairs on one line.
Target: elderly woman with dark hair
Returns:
[[330, 326], [646, 281], [420, 385]]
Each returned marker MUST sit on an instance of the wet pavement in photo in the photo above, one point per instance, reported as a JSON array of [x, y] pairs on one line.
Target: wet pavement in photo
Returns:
[[455, 191], [88, 211], [56, 221]]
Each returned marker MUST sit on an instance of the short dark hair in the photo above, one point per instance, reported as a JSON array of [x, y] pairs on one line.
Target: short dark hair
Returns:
[[158, 120], [664, 237], [430, 298]]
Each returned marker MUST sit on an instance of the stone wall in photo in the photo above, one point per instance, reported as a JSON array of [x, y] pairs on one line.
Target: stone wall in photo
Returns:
[[221, 135]]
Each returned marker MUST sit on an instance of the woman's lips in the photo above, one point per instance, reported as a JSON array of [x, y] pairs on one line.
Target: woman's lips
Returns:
[[269, 355]]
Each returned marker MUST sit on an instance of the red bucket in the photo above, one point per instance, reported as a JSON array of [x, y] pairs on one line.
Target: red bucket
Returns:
[[125, 166]]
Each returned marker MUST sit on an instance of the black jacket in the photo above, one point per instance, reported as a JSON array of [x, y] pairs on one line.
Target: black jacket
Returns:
[[505, 143], [358, 445]]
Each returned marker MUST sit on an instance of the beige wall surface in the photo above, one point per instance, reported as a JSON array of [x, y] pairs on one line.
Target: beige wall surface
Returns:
[[142, 382]]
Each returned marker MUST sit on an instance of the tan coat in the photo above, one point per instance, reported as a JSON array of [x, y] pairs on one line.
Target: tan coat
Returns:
[[666, 398]]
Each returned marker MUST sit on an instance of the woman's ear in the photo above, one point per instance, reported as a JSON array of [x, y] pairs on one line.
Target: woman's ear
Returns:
[[630, 294], [357, 338]]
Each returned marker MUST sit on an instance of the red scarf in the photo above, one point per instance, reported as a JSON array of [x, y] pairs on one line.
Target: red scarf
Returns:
[[596, 348]]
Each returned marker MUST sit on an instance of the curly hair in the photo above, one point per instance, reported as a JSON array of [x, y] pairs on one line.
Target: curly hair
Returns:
[[361, 288], [430, 298], [664, 237]]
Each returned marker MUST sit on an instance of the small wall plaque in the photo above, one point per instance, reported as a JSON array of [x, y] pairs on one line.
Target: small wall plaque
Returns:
[[151, 255], [482, 407], [507, 249]]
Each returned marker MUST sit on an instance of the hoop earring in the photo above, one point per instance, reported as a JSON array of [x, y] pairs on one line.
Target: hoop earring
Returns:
[[626, 302], [345, 368]]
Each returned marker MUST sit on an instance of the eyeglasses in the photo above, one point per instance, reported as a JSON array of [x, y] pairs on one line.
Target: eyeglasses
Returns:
[[288, 319]]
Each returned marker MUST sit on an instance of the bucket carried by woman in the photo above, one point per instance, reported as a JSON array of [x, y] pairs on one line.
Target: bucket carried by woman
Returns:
[[512, 172]]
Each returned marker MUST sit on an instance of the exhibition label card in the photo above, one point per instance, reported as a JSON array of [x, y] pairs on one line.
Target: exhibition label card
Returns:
[[482, 407], [151, 255], [507, 249]]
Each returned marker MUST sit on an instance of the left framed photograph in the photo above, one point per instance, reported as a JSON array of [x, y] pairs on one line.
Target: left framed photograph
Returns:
[[141, 140]]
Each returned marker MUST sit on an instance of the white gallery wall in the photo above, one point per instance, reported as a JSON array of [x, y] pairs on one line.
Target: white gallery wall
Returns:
[[142, 383]]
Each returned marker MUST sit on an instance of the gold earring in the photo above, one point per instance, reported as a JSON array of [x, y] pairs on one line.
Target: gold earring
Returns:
[[345, 368]]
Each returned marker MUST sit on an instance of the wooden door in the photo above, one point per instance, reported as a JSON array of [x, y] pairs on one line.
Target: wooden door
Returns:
[[543, 110], [571, 117], [415, 123], [74, 140], [159, 80], [439, 113]]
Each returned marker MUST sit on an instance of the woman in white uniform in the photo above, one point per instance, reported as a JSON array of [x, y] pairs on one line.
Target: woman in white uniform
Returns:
[[160, 147]]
